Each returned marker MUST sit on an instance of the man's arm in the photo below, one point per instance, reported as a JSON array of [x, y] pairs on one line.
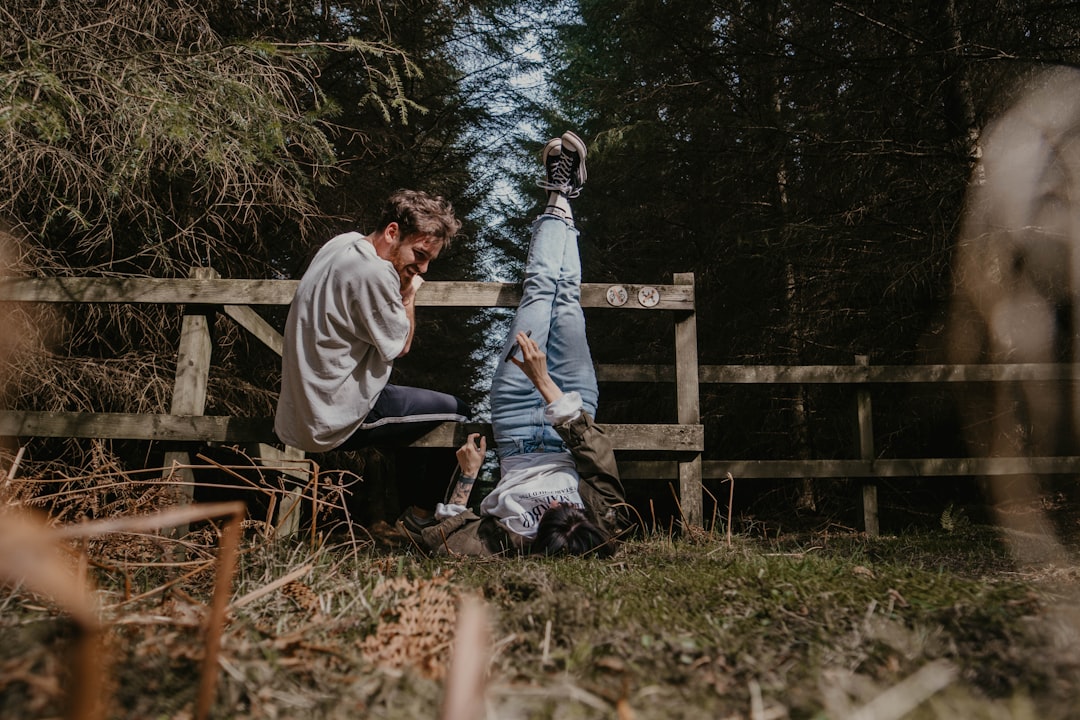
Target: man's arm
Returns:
[[408, 298]]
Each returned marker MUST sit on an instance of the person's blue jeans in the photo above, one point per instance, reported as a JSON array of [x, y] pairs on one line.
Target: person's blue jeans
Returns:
[[551, 308]]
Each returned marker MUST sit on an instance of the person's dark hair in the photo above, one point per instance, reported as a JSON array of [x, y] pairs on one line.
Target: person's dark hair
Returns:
[[568, 530], [418, 213]]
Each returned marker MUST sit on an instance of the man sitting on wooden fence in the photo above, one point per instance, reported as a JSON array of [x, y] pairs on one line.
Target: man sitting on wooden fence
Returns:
[[352, 315]]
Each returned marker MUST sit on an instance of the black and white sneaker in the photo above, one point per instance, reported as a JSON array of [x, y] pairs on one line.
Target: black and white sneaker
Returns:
[[564, 163]]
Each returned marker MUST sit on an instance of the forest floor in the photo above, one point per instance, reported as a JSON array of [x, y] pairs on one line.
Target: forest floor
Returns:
[[815, 624]]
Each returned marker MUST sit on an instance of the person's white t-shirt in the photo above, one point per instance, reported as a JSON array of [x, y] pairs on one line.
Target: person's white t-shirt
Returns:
[[532, 482], [346, 324]]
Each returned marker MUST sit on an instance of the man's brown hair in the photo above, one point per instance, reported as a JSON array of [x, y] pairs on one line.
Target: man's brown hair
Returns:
[[418, 213]]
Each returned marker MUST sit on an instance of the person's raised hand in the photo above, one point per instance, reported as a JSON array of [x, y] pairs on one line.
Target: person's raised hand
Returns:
[[533, 363], [470, 456]]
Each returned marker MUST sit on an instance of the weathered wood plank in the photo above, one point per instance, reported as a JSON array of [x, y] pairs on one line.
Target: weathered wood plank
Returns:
[[193, 358], [649, 436], [746, 469], [671, 297], [192, 378], [178, 291], [892, 468], [114, 426], [225, 429], [864, 409], [854, 374], [225, 291], [593, 295], [844, 374], [635, 437], [688, 408], [883, 468], [133, 426], [255, 324], [635, 373]]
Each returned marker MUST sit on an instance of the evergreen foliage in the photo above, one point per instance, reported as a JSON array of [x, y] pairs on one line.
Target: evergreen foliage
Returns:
[[807, 161], [147, 138]]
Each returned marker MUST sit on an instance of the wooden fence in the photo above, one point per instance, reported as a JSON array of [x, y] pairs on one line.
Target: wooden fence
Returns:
[[204, 293], [685, 438], [868, 465]]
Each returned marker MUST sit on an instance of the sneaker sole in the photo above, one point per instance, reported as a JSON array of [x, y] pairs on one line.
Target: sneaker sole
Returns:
[[574, 143]]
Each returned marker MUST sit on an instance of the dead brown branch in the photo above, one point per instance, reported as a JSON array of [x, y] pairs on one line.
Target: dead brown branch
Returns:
[[29, 553]]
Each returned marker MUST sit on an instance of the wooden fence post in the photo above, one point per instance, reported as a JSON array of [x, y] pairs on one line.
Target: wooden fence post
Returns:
[[866, 452], [192, 376], [686, 389]]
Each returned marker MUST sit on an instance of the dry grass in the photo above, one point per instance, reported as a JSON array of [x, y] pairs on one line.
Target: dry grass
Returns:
[[821, 625]]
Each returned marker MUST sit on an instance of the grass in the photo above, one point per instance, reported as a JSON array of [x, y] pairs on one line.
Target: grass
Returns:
[[798, 626]]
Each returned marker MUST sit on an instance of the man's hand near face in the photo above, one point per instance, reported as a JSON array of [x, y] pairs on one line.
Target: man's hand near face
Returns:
[[409, 288], [408, 299]]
